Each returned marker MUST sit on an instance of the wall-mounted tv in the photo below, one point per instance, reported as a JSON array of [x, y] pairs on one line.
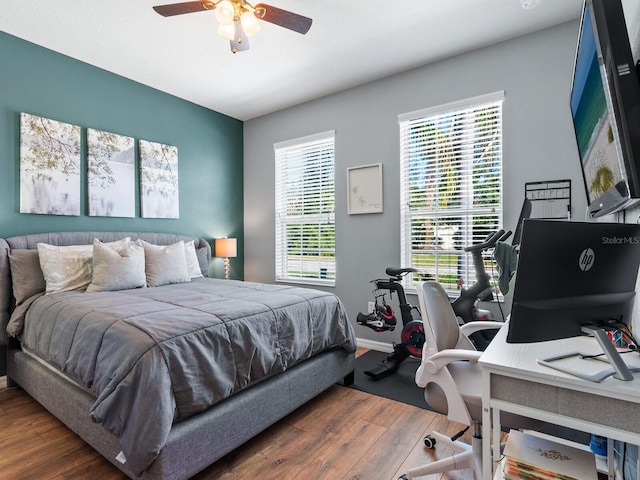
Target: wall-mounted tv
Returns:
[[605, 105]]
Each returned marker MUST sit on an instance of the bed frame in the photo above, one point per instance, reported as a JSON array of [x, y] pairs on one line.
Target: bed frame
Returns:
[[195, 442]]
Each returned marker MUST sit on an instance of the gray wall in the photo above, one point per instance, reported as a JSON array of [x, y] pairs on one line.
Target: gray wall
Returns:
[[632, 16], [535, 73]]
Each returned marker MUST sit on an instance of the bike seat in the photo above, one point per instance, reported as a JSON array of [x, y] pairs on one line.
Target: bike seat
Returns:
[[395, 271]]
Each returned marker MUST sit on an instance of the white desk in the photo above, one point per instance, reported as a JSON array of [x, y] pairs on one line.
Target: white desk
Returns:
[[513, 381]]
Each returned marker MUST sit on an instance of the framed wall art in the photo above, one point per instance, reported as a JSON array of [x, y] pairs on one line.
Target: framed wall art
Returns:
[[364, 189], [158, 180], [49, 166], [110, 174]]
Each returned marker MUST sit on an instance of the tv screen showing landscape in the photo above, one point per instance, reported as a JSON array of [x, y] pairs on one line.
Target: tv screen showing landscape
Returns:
[[594, 124]]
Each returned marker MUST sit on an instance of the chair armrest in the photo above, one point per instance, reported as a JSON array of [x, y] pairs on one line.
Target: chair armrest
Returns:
[[437, 361], [472, 327], [445, 357]]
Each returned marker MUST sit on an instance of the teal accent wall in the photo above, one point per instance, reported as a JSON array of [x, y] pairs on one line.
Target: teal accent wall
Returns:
[[39, 81]]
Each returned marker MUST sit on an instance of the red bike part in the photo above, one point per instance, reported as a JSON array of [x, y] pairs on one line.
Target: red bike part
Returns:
[[386, 312], [409, 333]]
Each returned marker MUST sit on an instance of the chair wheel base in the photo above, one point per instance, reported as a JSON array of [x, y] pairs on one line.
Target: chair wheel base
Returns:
[[463, 456], [429, 441]]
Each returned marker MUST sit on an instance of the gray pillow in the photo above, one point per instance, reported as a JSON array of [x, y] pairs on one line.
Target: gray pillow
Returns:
[[203, 259], [193, 265], [26, 274], [165, 264], [117, 269]]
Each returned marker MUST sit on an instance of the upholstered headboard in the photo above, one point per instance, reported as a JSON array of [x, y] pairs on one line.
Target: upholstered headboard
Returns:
[[203, 250]]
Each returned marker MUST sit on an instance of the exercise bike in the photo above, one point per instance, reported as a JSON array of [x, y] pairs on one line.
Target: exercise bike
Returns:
[[383, 319], [412, 336], [465, 305]]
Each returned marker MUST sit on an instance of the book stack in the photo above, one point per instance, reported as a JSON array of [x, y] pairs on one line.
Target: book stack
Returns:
[[532, 458]]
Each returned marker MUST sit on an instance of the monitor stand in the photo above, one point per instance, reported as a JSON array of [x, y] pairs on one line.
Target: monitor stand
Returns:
[[620, 369]]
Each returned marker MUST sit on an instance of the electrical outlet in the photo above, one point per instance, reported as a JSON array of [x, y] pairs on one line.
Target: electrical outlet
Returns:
[[371, 307]]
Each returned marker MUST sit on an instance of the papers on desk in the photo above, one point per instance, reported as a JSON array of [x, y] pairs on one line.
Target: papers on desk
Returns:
[[533, 458]]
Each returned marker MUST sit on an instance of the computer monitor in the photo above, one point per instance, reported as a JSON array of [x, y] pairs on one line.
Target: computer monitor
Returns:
[[572, 274], [525, 212]]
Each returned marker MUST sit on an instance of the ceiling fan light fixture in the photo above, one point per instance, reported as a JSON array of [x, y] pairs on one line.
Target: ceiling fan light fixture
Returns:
[[250, 24], [238, 19], [225, 12]]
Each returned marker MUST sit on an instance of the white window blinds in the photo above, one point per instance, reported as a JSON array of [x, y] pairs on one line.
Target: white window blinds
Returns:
[[451, 187], [305, 219]]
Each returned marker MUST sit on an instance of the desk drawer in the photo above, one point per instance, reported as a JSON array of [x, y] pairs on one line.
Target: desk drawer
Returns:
[[571, 403]]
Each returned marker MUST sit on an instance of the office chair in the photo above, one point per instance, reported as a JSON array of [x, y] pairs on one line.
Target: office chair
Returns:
[[452, 379]]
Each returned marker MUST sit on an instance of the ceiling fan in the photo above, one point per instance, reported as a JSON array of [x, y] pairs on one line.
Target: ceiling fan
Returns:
[[238, 18]]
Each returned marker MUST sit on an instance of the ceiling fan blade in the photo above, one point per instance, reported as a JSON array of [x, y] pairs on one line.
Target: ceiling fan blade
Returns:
[[185, 7], [283, 18]]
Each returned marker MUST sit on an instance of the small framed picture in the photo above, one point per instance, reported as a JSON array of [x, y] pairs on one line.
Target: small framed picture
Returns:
[[364, 189]]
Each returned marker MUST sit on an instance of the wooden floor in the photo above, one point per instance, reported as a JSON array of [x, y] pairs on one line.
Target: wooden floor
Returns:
[[343, 434]]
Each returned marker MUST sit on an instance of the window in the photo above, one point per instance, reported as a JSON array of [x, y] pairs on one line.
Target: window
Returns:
[[450, 187], [305, 218]]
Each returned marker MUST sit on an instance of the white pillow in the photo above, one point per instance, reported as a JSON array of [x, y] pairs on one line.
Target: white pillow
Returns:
[[165, 264], [117, 269], [69, 267], [192, 259]]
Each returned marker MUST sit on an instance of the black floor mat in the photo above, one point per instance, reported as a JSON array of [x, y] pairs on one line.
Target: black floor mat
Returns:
[[400, 385]]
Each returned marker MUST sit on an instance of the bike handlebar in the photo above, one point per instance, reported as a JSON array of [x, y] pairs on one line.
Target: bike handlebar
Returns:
[[490, 242], [506, 235]]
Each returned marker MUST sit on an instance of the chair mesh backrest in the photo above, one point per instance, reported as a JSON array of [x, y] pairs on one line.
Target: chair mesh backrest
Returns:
[[441, 317]]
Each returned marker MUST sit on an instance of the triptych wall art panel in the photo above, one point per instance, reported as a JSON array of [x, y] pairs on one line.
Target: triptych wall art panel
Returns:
[[111, 174], [50, 167], [158, 180]]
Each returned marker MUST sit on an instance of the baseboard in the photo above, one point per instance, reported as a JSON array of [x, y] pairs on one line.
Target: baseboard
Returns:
[[373, 345]]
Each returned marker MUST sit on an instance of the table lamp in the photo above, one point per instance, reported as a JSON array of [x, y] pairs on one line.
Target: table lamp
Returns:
[[226, 247]]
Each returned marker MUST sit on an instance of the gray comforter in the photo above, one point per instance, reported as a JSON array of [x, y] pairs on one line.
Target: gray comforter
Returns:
[[154, 356]]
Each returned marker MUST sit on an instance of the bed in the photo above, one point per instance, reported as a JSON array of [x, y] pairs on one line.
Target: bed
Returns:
[[118, 368]]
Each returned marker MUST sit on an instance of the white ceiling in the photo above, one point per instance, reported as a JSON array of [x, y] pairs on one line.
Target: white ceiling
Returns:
[[349, 43]]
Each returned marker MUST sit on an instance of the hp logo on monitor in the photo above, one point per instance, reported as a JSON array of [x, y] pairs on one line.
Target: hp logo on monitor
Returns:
[[587, 257]]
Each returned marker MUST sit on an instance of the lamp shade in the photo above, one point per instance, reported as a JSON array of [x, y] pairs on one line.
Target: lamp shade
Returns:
[[226, 247], [250, 24], [227, 31], [224, 12]]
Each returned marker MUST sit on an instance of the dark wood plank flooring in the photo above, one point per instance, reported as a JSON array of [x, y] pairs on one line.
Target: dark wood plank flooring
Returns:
[[343, 434]]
